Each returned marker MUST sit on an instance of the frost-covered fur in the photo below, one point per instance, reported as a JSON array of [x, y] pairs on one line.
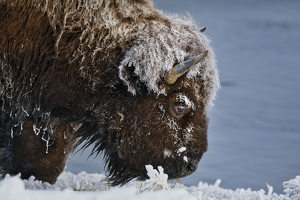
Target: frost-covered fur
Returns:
[[158, 43], [159, 48]]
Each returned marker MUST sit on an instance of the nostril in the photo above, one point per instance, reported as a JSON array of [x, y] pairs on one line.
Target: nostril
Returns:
[[191, 167]]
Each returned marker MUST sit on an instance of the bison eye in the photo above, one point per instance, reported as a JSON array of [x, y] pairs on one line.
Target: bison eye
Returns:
[[179, 108]]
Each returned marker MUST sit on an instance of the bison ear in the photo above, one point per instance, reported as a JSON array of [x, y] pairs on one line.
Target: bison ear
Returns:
[[180, 69]]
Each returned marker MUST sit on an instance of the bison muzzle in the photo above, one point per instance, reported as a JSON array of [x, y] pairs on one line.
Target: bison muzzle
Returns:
[[119, 75]]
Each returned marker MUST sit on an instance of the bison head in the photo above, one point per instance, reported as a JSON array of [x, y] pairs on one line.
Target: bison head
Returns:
[[156, 112]]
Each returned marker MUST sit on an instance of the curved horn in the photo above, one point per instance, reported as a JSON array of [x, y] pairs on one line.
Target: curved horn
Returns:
[[180, 69]]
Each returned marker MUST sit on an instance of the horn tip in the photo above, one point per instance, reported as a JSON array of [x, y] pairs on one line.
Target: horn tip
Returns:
[[202, 29], [203, 54]]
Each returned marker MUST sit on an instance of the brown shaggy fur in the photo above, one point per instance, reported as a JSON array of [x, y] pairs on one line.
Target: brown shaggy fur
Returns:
[[100, 65]]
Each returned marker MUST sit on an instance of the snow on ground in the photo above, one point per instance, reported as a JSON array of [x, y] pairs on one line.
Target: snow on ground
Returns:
[[93, 187]]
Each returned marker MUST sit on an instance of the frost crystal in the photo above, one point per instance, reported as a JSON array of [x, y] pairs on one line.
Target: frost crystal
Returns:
[[158, 179], [185, 158], [167, 153], [292, 187], [182, 149]]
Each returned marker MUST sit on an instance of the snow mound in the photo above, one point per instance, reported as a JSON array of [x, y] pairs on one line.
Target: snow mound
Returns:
[[93, 186], [292, 187]]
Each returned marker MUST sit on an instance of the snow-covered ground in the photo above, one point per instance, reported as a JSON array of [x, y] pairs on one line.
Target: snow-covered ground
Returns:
[[93, 186]]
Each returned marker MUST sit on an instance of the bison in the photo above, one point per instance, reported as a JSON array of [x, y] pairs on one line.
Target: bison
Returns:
[[119, 75]]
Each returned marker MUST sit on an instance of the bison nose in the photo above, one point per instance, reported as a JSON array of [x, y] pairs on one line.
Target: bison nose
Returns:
[[189, 169], [192, 167]]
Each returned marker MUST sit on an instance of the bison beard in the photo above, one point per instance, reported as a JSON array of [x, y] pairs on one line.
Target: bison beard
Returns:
[[97, 73]]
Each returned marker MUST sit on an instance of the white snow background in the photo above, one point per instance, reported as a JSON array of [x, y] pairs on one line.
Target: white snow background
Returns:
[[254, 126]]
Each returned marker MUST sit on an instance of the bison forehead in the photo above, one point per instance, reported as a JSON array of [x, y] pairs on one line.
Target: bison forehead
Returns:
[[153, 55]]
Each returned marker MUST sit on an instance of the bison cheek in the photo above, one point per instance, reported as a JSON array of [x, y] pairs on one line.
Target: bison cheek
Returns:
[[145, 140]]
